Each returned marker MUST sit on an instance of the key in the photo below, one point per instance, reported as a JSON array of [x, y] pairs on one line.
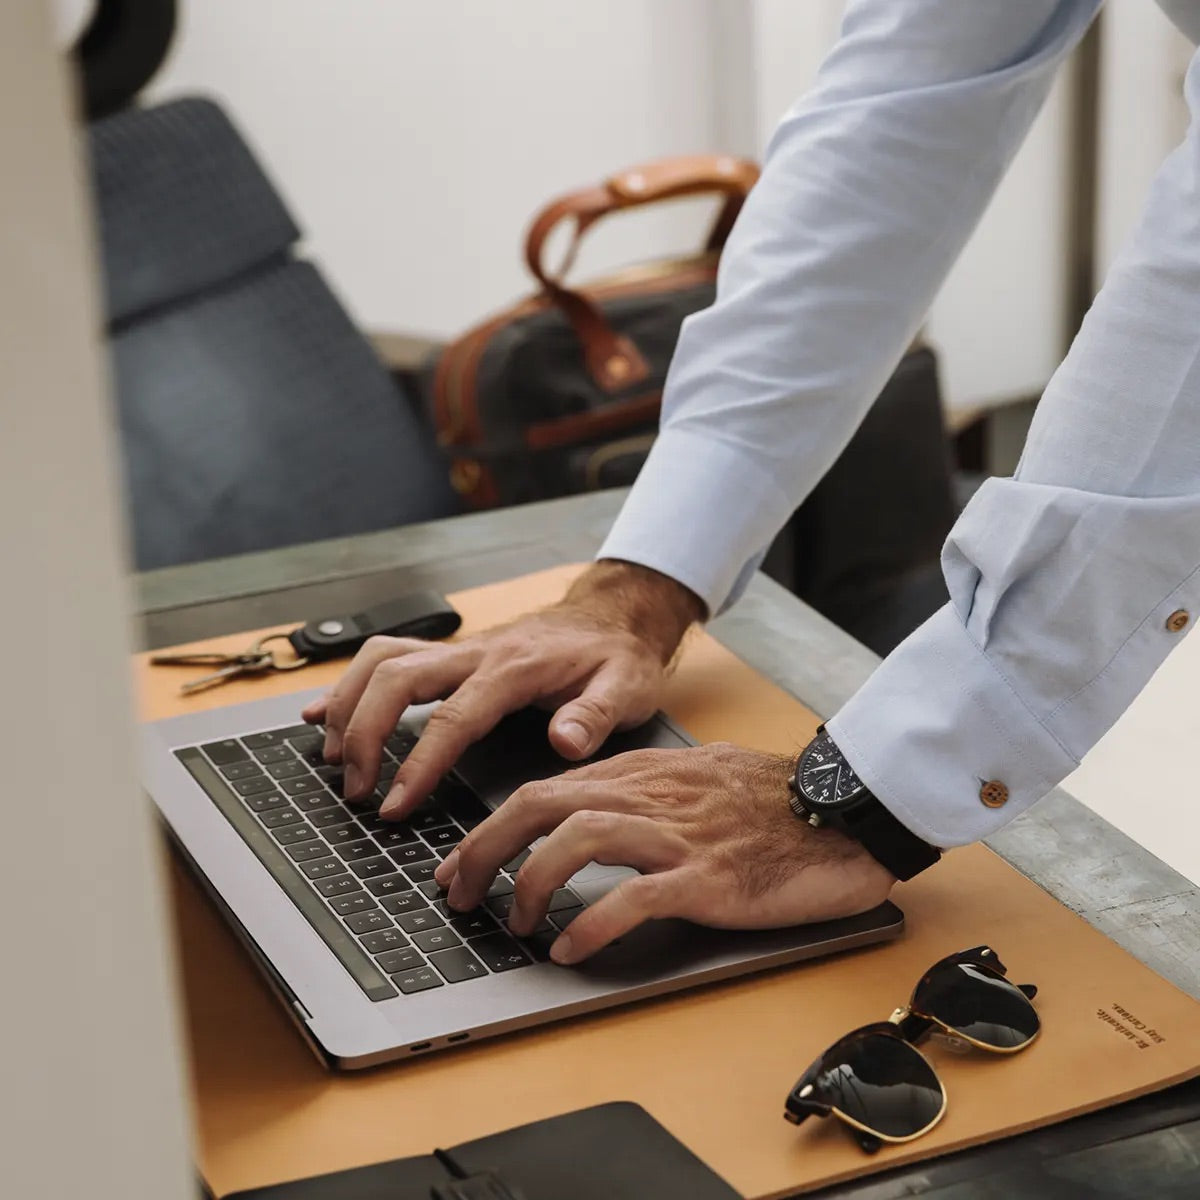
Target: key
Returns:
[[402, 958], [499, 953], [228, 751], [272, 737], [286, 769], [564, 916], [435, 939], [457, 965], [429, 818], [311, 803], [450, 835], [252, 663], [306, 785], [346, 906], [501, 906], [503, 886], [563, 898], [308, 850], [321, 868], [335, 835], [368, 922], [264, 801], [336, 815], [240, 770], [417, 981], [353, 852], [372, 868], [432, 890], [257, 783], [539, 942], [291, 834], [388, 885], [382, 940], [274, 818], [398, 835], [339, 885], [404, 903], [387, 772], [405, 856], [474, 924], [274, 754], [514, 864], [421, 872], [305, 741], [418, 922]]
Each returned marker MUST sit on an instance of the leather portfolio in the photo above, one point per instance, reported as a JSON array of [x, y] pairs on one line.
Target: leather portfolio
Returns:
[[713, 1065]]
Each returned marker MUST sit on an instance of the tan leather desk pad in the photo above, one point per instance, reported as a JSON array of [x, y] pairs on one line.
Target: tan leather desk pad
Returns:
[[712, 1065]]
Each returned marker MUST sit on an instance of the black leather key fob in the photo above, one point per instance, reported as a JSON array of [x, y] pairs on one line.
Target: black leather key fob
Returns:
[[419, 614]]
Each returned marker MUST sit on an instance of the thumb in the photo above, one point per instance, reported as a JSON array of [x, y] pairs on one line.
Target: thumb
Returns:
[[581, 726]]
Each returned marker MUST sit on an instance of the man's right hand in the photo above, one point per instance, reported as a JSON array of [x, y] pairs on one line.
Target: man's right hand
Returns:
[[599, 657]]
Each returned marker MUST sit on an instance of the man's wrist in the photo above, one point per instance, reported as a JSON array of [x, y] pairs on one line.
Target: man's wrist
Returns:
[[653, 607]]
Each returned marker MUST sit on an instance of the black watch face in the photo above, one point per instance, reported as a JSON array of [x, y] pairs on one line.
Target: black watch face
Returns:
[[825, 778]]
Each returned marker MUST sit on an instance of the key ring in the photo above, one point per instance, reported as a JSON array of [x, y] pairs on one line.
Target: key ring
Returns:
[[277, 663]]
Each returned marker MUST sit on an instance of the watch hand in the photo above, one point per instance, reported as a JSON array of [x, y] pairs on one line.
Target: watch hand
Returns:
[[826, 767]]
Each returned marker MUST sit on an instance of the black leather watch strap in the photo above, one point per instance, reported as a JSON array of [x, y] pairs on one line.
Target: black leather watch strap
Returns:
[[419, 615], [886, 839]]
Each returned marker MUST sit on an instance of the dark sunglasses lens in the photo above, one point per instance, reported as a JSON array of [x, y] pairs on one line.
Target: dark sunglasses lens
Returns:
[[979, 1004], [882, 1083]]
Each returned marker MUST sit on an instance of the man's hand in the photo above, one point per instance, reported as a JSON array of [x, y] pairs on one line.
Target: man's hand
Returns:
[[599, 657], [709, 829]]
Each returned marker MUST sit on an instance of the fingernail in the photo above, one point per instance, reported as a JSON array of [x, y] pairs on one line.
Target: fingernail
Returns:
[[353, 781], [574, 734], [562, 951], [393, 804]]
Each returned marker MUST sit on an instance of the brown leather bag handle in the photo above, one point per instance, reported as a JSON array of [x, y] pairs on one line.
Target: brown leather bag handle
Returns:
[[612, 360]]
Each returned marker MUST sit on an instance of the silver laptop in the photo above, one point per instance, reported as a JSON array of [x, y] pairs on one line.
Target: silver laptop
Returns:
[[340, 910]]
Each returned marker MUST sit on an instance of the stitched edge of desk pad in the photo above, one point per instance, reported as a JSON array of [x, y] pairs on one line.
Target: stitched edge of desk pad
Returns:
[[712, 1065]]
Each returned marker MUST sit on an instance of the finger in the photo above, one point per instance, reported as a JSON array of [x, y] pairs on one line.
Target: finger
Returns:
[[587, 836], [445, 871], [343, 699], [396, 683], [314, 711], [473, 710], [615, 695], [631, 902], [529, 812]]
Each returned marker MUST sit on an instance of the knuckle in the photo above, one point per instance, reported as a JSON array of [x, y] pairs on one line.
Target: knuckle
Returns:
[[645, 893], [591, 824], [378, 644], [532, 796]]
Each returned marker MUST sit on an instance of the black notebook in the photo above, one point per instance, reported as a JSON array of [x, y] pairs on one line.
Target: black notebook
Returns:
[[604, 1153]]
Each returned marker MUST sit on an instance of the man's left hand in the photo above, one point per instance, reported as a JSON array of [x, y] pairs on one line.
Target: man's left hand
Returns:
[[709, 828]]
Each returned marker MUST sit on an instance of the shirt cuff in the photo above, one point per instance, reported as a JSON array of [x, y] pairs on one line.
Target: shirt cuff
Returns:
[[698, 507], [934, 725]]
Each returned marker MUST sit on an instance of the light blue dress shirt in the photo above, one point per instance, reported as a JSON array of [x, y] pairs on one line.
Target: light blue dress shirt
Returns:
[[1062, 578]]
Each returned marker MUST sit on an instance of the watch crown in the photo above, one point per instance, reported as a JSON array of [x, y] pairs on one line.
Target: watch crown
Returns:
[[814, 820]]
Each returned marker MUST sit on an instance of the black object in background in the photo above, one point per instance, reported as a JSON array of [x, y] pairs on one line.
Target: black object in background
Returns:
[[119, 51], [601, 1153]]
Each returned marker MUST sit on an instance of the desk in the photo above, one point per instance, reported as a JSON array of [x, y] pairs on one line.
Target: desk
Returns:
[[1086, 864]]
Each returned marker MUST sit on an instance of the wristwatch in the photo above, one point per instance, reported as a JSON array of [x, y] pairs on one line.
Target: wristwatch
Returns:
[[827, 793]]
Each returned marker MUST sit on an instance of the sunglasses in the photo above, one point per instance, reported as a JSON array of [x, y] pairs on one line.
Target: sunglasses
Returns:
[[881, 1086]]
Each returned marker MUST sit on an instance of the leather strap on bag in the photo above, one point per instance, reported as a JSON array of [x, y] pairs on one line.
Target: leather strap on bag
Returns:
[[612, 360]]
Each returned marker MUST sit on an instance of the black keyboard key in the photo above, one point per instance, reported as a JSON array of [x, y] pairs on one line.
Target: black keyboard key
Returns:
[[500, 953], [241, 770], [462, 803], [228, 751], [383, 940], [337, 835], [418, 922], [501, 906], [274, 818], [538, 944], [429, 818], [307, 851], [563, 898], [389, 885], [402, 958], [474, 924], [372, 868], [448, 836], [305, 741], [315, 801], [432, 890], [401, 743], [405, 856], [313, 756], [405, 902], [306, 785], [514, 864], [395, 835], [269, 737], [332, 777], [372, 822], [457, 965], [564, 916], [289, 835], [501, 886], [346, 906], [285, 770], [339, 885], [353, 852], [256, 783], [264, 801], [387, 772], [368, 922], [417, 981], [421, 872], [336, 815], [432, 940], [322, 868], [274, 754], [443, 909]]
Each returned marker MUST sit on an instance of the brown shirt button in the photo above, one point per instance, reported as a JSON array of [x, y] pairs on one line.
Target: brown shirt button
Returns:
[[1178, 620], [994, 794]]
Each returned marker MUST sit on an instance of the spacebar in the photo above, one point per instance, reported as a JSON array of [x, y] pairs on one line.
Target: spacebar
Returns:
[[366, 974]]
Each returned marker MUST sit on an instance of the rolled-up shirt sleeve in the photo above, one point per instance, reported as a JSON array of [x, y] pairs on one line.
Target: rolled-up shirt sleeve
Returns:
[[1071, 582], [871, 186]]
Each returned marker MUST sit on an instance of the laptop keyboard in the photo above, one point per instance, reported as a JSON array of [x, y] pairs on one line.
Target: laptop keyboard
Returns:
[[366, 885]]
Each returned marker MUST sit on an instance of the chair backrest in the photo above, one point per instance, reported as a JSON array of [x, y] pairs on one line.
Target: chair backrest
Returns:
[[253, 414]]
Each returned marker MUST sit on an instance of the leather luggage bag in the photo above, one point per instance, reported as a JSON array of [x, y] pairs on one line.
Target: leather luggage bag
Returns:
[[542, 398]]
